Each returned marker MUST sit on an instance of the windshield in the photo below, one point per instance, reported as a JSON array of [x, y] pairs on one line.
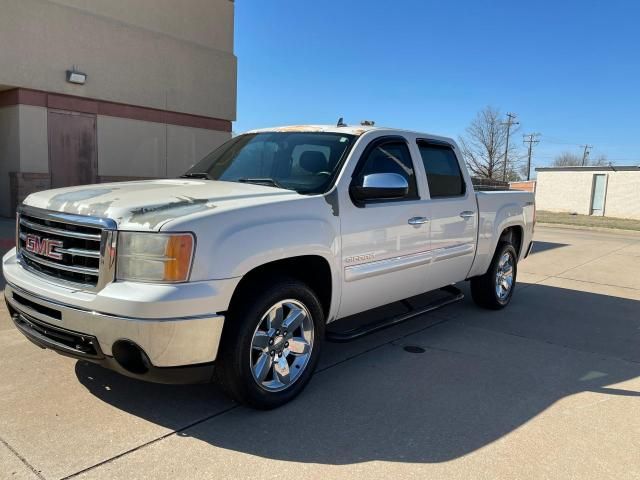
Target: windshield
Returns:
[[306, 162]]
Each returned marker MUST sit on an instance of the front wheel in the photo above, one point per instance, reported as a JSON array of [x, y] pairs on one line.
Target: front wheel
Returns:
[[494, 289], [271, 344]]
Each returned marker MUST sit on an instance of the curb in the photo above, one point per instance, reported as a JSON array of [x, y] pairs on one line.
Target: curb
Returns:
[[567, 226]]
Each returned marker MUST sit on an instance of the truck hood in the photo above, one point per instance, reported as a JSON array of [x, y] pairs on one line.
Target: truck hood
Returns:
[[149, 204]]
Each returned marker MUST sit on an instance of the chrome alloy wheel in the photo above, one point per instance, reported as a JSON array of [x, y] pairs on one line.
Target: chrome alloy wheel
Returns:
[[504, 276], [281, 345]]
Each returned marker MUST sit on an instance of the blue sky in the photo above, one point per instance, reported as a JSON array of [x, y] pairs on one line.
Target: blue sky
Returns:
[[569, 69]]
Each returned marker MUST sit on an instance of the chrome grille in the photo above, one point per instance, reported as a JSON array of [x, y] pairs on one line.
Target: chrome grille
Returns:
[[67, 248]]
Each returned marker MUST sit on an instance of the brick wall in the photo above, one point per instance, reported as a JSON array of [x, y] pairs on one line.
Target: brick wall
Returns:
[[527, 186]]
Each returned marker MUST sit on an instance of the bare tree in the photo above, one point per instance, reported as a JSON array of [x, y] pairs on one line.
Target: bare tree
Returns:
[[483, 146], [568, 159], [600, 161]]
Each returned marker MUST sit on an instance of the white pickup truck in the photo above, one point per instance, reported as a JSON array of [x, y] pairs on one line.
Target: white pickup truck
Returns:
[[246, 261]]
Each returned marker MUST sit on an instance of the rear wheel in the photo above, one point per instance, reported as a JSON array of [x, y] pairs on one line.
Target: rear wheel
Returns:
[[494, 289], [271, 344]]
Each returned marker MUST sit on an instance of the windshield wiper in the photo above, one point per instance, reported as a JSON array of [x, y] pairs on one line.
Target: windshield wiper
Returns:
[[262, 181], [197, 175]]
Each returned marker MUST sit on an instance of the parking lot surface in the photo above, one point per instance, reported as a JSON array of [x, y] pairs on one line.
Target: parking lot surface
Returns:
[[547, 388]]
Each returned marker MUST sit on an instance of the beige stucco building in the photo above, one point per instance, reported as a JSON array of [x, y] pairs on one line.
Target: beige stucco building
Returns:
[[611, 191], [160, 90]]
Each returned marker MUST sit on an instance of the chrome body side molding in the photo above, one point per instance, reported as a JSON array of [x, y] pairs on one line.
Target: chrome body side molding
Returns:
[[388, 265]]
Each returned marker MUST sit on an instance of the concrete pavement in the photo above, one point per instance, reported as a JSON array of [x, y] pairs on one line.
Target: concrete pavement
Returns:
[[548, 388]]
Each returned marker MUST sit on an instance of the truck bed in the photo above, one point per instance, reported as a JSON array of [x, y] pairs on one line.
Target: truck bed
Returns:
[[500, 210]]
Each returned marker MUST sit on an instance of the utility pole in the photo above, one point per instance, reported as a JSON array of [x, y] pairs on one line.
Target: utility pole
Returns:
[[585, 154], [510, 121], [531, 139]]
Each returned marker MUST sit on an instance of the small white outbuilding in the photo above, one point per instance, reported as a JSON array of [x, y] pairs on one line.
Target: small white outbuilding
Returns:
[[612, 191]]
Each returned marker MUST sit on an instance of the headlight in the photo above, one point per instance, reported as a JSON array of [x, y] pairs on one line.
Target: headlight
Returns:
[[154, 257]]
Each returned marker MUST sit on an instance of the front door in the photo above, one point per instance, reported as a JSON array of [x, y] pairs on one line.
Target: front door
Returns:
[[72, 148], [385, 243]]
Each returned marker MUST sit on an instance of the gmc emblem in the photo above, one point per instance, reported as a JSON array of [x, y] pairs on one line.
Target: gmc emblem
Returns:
[[43, 246]]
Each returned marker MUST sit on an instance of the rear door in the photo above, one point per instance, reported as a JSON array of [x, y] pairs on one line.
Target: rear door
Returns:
[[72, 148], [454, 212]]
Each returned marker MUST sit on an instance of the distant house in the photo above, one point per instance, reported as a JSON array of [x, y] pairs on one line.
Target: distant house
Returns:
[[610, 191], [526, 185]]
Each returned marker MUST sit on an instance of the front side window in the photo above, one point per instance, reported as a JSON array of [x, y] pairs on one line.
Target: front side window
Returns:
[[306, 162], [443, 171], [391, 157]]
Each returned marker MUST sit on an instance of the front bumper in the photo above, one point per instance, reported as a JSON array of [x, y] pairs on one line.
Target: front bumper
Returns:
[[166, 322], [86, 347]]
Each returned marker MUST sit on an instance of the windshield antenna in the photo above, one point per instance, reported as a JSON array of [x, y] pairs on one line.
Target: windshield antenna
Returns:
[[341, 123]]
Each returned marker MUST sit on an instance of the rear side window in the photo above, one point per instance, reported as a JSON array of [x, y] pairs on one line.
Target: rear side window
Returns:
[[443, 171], [391, 157]]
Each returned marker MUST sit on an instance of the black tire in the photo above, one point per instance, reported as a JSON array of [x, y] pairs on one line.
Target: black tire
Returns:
[[233, 367], [484, 288]]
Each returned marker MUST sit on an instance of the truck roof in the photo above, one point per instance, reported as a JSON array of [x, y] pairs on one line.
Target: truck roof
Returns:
[[348, 129]]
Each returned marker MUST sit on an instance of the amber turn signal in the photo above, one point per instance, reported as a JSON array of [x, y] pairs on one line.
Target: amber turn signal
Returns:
[[178, 258]]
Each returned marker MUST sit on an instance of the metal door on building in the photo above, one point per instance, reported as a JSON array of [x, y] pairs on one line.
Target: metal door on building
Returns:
[[73, 158], [598, 196]]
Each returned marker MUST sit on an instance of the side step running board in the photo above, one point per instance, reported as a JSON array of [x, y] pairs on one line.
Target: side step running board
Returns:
[[453, 294]]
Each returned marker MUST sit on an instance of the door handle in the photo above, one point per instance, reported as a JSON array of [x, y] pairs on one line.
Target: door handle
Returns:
[[467, 214], [417, 220]]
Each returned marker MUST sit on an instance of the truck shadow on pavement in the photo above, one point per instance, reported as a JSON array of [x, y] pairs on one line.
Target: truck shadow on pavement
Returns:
[[483, 375], [539, 247]]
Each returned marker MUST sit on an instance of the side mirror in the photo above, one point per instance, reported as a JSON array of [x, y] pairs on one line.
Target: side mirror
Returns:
[[380, 186]]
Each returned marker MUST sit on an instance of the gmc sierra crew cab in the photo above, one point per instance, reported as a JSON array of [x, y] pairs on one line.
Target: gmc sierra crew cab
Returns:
[[240, 269]]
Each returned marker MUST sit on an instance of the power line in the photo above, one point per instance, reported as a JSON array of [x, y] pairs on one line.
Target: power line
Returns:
[[569, 141], [560, 141], [554, 142], [531, 139], [510, 121]]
